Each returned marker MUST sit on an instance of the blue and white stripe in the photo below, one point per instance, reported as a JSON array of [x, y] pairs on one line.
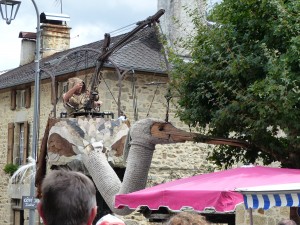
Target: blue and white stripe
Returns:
[[266, 201]]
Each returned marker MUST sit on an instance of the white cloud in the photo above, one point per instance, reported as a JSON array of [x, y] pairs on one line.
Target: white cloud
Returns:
[[89, 21], [135, 5], [83, 34]]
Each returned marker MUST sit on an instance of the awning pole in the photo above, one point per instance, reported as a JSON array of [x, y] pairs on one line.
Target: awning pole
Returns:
[[251, 216]]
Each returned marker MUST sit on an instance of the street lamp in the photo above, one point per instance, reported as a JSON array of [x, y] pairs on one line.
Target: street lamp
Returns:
[[8, 16], [9, 10]]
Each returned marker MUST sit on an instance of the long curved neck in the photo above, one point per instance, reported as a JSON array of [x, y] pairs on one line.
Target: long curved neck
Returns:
[[138, 165], [135, 177]]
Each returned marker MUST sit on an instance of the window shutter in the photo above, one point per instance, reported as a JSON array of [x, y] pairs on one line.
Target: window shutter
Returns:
[[13, 95], [27, 97], [26, 140], [18, 216], [10, 144]]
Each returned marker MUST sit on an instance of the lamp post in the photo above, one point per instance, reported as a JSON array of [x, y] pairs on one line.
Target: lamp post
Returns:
[[10, 10], [8, 13]]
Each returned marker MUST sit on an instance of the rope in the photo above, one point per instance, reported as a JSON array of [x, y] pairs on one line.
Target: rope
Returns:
[[109, 89], [122, 28], [164, 51], [168, 96], [152, 99]]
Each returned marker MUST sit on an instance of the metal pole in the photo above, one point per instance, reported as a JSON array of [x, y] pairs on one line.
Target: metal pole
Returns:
[[36, 113], [251, 216]]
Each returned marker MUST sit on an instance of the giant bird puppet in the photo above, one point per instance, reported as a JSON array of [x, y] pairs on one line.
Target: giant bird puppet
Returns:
[[82, 143]]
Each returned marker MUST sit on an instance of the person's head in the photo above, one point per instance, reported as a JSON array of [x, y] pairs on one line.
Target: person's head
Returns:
[[68, 197], [287, 222], [187, 218]]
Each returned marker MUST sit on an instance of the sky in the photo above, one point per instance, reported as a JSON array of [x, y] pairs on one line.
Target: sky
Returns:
[[89, 21]]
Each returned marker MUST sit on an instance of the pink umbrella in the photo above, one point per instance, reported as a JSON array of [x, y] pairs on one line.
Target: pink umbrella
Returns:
[[207, 191]]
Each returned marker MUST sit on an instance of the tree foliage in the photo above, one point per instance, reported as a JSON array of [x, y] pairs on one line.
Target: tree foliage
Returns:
[[243, 80]]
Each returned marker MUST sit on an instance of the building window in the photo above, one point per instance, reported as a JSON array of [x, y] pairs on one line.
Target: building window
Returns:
[[18, 212], [20, 98], [20, 152], [18, 217], [17, 151]]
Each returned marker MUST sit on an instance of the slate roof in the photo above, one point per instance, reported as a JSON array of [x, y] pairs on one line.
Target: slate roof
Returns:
[[143, 52]]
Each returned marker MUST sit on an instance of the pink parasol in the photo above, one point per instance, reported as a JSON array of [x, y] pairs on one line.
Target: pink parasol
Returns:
[[207, 191]]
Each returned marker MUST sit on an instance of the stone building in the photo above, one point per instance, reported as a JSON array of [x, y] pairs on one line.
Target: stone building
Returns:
[[133, 81]]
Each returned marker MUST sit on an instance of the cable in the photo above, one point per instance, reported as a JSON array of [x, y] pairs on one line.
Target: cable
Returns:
[[152, 100], [109, 89], [122, 28]]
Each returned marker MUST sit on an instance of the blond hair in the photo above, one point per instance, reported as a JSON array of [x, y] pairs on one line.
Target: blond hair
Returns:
[[75, 80], [187, 218]]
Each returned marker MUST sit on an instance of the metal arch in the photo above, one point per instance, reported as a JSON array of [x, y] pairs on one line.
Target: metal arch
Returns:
[[121, 75], [52, 74], [75, 51], [134, 97]]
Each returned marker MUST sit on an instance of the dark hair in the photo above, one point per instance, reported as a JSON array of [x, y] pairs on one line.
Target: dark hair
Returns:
[[68, 197], [187, 218]]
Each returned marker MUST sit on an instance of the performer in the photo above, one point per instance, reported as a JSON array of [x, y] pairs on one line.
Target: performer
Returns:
[[77, 96]]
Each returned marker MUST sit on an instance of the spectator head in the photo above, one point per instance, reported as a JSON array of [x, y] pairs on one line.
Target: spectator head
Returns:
[[68, 197]]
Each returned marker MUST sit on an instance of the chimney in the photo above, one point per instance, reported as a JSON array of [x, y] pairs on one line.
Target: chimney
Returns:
[[55, 36], [27, 47]]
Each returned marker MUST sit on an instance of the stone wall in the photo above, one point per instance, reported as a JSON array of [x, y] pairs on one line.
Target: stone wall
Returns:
[[5, 206], [260, 216]]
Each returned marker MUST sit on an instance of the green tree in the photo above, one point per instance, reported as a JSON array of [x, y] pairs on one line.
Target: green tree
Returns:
[[243, 80]]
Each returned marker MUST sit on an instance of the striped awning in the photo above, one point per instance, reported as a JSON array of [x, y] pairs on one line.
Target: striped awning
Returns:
[[269, 196], [267, 201]]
